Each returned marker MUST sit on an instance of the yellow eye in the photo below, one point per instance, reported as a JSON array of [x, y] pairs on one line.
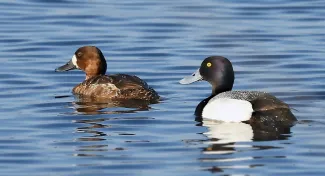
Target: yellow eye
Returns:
[[209, 64]]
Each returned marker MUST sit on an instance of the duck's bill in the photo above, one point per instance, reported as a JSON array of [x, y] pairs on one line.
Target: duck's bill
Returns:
[[196, 76], [68, 66]]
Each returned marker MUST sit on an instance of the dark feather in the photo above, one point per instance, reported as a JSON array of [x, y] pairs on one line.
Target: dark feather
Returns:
[[119, 86]]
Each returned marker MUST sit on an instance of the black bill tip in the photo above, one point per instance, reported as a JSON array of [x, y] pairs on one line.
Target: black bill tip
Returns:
[[68, 66]]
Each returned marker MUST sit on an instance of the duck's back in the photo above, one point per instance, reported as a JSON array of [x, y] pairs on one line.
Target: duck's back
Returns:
[[118, 86], [260, 101]]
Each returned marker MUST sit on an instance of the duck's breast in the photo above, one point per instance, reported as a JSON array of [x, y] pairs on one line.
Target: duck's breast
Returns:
[[99, 86], [227, 110]]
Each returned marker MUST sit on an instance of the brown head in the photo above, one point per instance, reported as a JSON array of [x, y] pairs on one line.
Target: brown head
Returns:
[[88, 59]]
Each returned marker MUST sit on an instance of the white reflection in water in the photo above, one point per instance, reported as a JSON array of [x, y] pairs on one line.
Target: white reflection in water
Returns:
[[227, 132], [224, 135]]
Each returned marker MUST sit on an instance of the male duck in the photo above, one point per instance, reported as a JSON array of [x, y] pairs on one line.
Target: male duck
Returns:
[[235, 106], [98, 85]]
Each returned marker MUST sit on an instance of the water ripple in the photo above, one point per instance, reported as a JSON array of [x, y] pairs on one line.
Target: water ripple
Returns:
[[275, 46]]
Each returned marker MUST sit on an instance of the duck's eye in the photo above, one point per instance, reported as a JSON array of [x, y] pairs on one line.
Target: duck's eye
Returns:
[[79, 54], [209, 64]]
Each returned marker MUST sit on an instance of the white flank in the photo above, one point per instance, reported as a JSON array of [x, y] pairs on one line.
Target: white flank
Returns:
[[74, 60], [228, 110]]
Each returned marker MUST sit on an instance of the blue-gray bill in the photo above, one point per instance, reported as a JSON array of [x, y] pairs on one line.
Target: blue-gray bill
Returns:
[[68, 66], [196, 76]]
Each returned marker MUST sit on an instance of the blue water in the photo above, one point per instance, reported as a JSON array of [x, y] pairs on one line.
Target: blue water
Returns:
[[275, 46]]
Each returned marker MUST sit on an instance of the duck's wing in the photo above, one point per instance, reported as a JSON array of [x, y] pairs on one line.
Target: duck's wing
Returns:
[[121, 81], [126, 82], [271, 114], [132, 87], [266, 101], [118, 86]]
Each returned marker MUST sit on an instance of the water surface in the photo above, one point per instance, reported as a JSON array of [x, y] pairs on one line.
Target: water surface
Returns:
[[275, 46]]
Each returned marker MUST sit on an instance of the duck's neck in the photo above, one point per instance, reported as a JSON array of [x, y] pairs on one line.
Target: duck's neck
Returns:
[[90, 76], [216, 89]]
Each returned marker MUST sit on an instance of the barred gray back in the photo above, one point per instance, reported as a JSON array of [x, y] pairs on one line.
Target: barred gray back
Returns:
[[243, 95]]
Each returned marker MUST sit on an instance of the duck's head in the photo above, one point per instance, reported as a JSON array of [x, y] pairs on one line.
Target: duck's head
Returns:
[[88, 59], [217, 70]]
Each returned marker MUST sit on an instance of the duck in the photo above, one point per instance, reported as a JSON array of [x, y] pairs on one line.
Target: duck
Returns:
[[91, 60], [254, 107]]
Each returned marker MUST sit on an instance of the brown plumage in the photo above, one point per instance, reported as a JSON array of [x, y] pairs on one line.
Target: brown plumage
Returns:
[[117, 87], [97, 85]]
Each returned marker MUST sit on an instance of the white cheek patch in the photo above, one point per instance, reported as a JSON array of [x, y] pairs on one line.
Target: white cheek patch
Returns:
[[74, 60], [228, 110]]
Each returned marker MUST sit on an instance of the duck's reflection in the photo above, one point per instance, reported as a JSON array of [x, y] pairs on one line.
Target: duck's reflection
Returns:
[[226, 142], [228, 132], [91, 105], [93, 133], [86, 105], [94, 129], [223, 135]]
